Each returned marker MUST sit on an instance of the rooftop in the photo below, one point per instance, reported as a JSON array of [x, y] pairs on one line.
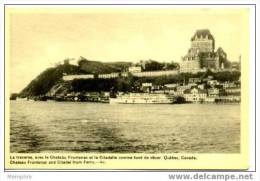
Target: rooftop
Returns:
[[200, 91], [203, 33]]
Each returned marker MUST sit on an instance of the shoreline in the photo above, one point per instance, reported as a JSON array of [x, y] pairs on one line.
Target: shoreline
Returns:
[[215, 103]]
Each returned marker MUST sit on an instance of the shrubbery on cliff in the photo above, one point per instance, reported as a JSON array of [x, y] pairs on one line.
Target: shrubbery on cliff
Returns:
[[48, 78], [96, 67]]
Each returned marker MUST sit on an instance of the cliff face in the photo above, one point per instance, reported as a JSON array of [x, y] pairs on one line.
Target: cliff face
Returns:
[[50, 80], [60, 88], [47, 79]]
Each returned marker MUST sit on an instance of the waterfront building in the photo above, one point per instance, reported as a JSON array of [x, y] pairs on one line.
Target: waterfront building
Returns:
[[207, 78], [157, 88], [210, 99], [195, 94], [134, 69], [161, 92], [212, 82], [231, 84], [225, 84], [194, 80], [201, 86], [230, 98], [147, 84], [201, 55], [170, 86], [180, 89], [231, 90], [192, 84], [146, 87], [213, 92]]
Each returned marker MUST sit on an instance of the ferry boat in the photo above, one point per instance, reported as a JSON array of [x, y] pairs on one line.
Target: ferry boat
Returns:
[[142, 98]]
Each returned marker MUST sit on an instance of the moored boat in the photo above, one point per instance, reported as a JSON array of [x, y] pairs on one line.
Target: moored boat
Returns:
[[142, 98]]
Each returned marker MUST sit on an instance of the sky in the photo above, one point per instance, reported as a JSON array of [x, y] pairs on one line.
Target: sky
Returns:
[[38, 38]]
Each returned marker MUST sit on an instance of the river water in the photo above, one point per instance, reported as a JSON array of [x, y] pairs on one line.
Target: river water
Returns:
[[95, 127]]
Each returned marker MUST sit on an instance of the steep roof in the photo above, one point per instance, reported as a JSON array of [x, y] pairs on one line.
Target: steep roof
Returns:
[[200, 91], [203, 33]]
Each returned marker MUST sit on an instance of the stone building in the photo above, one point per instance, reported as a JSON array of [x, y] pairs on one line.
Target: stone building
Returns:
[[135, 69], [202, 56], [195, 94]]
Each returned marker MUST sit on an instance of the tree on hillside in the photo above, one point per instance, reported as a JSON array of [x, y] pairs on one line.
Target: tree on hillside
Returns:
[[223, 58], [172, 66], [152, 65], [227, 76]]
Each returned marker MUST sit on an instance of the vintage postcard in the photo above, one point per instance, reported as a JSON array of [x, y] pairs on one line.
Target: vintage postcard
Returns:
[[127, 87]]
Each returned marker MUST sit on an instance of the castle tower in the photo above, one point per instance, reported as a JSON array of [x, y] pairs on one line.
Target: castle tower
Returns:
[[203, 41]]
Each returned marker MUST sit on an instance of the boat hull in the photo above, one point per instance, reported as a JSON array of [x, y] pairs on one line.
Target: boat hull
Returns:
[[142, 99]]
